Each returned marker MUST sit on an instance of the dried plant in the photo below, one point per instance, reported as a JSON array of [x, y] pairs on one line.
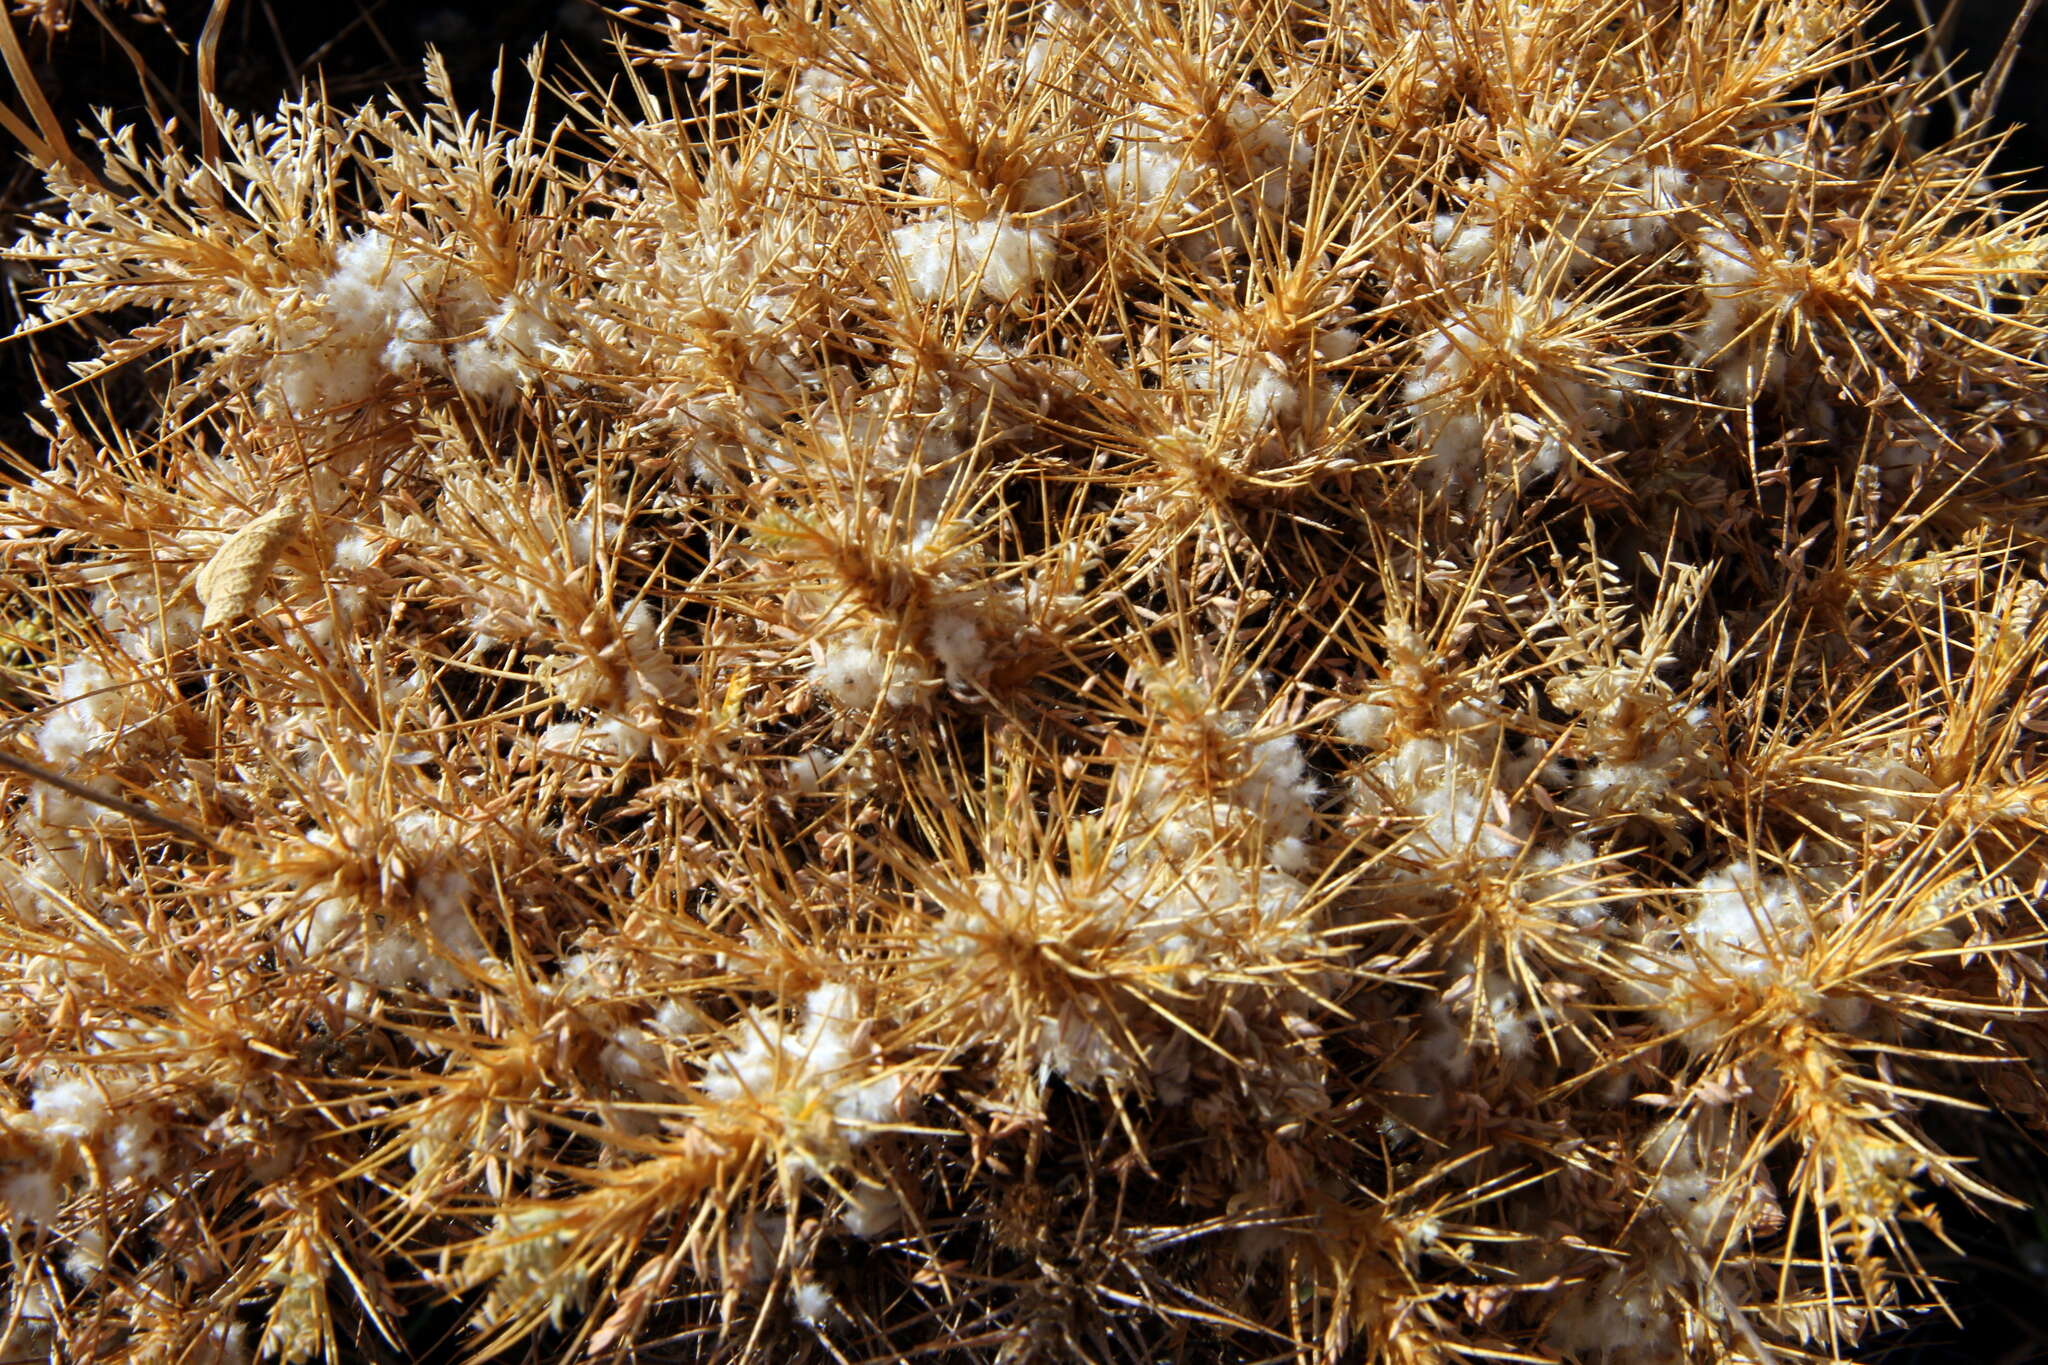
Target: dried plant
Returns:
[[1353, 681]]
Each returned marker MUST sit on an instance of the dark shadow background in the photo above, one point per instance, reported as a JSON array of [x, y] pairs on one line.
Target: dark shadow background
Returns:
[[1979, 29]]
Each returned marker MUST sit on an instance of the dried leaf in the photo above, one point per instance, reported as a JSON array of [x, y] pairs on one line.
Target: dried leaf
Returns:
[[236, 575]]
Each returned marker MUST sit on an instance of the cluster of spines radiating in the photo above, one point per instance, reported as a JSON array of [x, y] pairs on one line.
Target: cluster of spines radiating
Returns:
[[1031, 682]]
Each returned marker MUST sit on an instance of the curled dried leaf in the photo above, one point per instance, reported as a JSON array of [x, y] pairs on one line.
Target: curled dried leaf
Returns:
[[234, 577]]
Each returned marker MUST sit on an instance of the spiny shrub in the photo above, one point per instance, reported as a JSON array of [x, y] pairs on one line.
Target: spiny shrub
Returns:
[[1144, 680]]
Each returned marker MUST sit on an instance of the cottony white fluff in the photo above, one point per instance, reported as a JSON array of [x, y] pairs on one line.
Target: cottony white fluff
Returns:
[[1729, 336], [1747, 925], [812, 1302], [870, 1212], [123, 1139], [1367, 723], [85, 715], [855, 667], [1158, 178], [340, 358], [1158, 174], [1745, 931], [1452, 417], [506, 356], [1208, 778], [1466, 243], [385, 311], [143, 614], [1190, 920], [1459, 814], [625, 688], [369, 950], [826, 1064], [948, 259], [32, 1195], [65, 857], [1707, 1201], [859, 676], [1432, 1062], [1619, 1318]]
